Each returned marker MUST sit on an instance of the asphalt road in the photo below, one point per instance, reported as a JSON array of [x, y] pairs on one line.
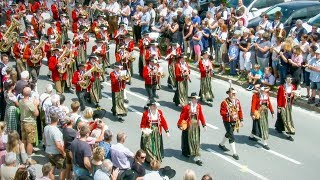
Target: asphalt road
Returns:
[[290, 160]]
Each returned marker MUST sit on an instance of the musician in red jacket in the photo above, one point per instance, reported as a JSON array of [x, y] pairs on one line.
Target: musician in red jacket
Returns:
[[260, 104], [231, 113], [58, 69], [118, 85], [82, 80], [206, 71], [172, 53], [285, 98], [191, 118], [55, 29], [129, 43], [152, 52], [18, 51], [101, 50], [143, 46], [30, 32], [152, 123], [120, 34], [182, 74], [34, 61], [103, 33], [80, 39], [150, 79], [37, 22], [55, 11], [95, 26]]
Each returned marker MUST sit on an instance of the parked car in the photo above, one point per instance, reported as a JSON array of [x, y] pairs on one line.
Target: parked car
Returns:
[[291, 12], [314, 21]]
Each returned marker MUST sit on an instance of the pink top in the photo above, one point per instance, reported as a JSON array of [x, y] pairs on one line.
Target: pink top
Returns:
[[297, 59]]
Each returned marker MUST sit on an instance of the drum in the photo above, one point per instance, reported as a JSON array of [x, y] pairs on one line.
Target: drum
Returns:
[[113, 24]]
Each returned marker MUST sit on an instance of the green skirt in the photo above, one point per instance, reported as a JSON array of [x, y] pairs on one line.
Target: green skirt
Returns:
[[286, 116], [152, 145], [118, 107], [260, 127], [190, 139], [172, 76], [181, 94], [82, 57], [206, 93], [95, 92]]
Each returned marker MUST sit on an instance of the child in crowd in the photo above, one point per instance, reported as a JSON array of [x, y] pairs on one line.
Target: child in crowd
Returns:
[[233, 53], [254, 77]]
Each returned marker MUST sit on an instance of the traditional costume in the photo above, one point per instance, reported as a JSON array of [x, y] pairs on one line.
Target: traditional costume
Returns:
[[191, 118], [18, 50], [143, 45], [118, 85], [285, 98], [182, 74], [58, 77], [123, 56], [206, 72], [151, 125], [173, 52], [101, 51], [150, 72], [231, 113], [80, 39], [95, 91], [259, 112], [120, 34]]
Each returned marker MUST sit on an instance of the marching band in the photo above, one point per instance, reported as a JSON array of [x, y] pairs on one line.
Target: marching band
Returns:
[[72, 68]]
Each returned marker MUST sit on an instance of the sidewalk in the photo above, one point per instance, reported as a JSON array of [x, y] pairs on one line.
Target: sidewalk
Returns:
[[300, 102]]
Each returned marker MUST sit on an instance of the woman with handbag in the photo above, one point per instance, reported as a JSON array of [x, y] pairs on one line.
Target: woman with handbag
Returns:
[[191, 118], [259, 112]]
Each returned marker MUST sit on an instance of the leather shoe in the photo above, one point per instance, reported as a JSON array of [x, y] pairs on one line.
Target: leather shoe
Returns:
[[253, 139], [223, 147], [266, 147], [209, 104], [126, 101], [199, 163], [290, 138], [235, 156]]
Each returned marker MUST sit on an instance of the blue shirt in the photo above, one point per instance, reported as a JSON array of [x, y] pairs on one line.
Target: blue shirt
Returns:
[[205, 40], [196, 20], [314, 75], [233, 52], [254, 73], [106, 146]]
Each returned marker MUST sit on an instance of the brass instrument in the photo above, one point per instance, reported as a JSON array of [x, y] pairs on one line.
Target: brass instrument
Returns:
[[85, 78], [131, 58], [233, 111], [124, 76], [37, 52], [98, 68], [84, 12], [10, 35], [62, 60]]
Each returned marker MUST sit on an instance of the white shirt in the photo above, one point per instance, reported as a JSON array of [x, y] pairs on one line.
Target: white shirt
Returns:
[[153, 175], [100, 175], [187, 11], [120, 156], [45, 101], [193, 108]]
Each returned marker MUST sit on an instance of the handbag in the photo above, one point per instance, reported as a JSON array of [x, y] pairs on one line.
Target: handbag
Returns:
[[184, 125], [256, 114]]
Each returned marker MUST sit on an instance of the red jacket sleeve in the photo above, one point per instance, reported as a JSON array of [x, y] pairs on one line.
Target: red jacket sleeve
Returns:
[[75, 78], [254, 102], [280, 97], [52, 63], [145, 73], [74, 16], [75, 27], [270, 105], [163, 121], [201, 116], [223, 109], [144, 120], [202, 69], [27, 53], [240, 114], [183, 114]]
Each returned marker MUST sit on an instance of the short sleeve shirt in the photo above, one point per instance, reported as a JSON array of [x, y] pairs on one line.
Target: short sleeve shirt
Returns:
[[27, 108], [52, 134], [80, 149]]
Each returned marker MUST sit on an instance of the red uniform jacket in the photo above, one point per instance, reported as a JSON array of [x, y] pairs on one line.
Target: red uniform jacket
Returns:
[[148, 54], [75, 27], [35, 24], [148, 79], [102, 35], [203, 68], [55, 11], [178, 53], [17, 51], [146, 121], [186, 115], [85, 37], [141, 44], [256, 103], [52, 64], [226, 112], [119, 55], [102, 52], [47, 50], [27, 55], [116, 85], [282, 96], [74, 15], [35, 6], [51, 31], [179, 71], [119, 37], [76, 79], [130, 46]]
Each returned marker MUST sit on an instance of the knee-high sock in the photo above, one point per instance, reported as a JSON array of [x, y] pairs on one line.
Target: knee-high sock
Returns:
[[224, 140], [265, 142], [233, 147]]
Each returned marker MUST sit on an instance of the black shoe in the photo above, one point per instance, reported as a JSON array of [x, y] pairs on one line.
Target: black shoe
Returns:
[[290, 138], [266, 147], [199, 163], [126, 101], [170, 86], [235, 156], [223, 147], [120, 119], [157, 96], [209, 104], [253, 139]]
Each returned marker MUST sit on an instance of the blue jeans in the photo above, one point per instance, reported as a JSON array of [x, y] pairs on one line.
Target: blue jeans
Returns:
[[180, 40], [78, 171], [233, 66], [144, 29], [283, 71], [307, 78]]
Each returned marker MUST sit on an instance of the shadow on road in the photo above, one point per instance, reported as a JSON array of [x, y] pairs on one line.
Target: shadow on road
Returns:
[[139, 90], [138, 108], [273, 132], [215, 147], [170, 105], [176, 154], [242, 139]]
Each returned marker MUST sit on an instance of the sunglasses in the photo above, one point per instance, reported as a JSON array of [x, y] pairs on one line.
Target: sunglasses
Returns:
[[142, 157]]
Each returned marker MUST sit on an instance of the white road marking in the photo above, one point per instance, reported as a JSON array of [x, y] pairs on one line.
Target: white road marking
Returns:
[[144, 98], [281, 155], [243, 168]]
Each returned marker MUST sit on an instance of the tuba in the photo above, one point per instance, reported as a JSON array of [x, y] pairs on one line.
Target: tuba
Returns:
[[131, 58], [37, 52], [10, 35], [63, 61], [85, 78]]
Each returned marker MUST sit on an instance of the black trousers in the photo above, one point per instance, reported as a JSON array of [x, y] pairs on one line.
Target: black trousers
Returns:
[[151, 90], [83, 96], [229, 126], [3, 106]]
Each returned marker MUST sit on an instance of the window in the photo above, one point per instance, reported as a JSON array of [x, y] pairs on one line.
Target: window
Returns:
[[260, 4], [285, 13]]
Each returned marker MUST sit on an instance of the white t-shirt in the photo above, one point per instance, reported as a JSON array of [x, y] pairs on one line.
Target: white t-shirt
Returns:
[[52, 134]]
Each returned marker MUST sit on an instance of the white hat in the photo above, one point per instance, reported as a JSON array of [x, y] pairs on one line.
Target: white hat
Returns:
[[49, 88]]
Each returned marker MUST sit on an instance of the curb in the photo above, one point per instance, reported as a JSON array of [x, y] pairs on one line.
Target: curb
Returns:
[[298, 102]]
